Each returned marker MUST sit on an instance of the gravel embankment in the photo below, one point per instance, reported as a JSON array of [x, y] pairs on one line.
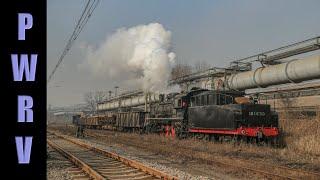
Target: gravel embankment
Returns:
[[57, 166]]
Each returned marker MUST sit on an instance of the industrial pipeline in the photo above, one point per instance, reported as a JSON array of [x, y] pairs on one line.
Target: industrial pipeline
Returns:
[[293, 71]]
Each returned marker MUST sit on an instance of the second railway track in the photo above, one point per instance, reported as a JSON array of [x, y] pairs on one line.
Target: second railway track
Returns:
[[100, 164], [269, 170]]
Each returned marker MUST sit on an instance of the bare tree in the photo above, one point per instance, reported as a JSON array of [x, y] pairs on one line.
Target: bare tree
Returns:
[[92, 98], [180, 70], [200, 66]]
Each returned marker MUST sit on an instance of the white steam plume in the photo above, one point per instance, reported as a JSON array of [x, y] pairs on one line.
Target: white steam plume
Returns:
[[139, 55]]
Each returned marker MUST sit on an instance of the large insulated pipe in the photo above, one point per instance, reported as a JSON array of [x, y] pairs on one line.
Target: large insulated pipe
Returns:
[[292, 71], [129, 102]]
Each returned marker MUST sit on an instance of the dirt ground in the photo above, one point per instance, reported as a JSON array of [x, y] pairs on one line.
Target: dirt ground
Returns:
[[56, 166]]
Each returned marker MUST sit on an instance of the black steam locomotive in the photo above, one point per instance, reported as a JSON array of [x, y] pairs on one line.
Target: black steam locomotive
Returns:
[[216, 115], [213, 115]]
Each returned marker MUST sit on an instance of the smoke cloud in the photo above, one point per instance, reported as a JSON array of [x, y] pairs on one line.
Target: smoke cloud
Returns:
[[139, 56]]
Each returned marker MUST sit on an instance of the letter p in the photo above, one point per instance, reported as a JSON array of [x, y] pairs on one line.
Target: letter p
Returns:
[[25, 21]]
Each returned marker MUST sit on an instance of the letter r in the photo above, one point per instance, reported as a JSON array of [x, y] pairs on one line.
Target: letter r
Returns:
[[25, 113], [25, 21]]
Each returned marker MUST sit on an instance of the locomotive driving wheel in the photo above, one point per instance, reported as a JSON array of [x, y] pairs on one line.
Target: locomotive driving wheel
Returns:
[[180, 130]]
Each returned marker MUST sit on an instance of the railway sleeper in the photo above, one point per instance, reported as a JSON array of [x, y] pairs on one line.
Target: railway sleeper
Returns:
[[79, 176], [138, 175], [103, 163], [119, 172]]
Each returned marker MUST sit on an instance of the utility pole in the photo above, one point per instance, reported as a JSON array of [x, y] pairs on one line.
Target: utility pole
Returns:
[[116, 88], [110, 92]]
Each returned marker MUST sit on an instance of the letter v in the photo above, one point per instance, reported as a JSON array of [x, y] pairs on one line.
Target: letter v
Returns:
[[23, 149]]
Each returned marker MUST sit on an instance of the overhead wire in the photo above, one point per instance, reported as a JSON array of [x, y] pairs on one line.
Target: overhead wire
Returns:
[[85, 15]]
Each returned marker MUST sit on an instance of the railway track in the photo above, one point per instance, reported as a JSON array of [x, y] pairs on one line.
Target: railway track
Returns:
[[100, 164], [63, 168], [262, 168]]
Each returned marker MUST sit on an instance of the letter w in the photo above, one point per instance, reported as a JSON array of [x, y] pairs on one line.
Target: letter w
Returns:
[[23, 66]]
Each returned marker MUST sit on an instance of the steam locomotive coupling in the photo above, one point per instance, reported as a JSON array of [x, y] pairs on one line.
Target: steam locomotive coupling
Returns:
[[199, 113]]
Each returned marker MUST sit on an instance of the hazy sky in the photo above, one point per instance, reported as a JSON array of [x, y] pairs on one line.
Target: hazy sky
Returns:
[[205, 30]]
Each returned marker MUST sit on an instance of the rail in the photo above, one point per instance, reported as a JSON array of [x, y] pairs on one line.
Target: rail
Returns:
[[128, 162], [263, 168]]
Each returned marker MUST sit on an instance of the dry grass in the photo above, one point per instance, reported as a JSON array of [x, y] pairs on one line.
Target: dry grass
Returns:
[[301, 134], [193, 149]]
